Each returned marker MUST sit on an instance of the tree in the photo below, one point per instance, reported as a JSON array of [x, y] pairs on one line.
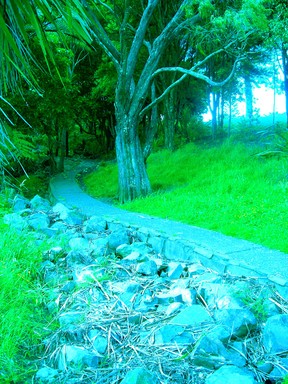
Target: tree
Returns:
[[279, 38], [121, 29], [134, 81]]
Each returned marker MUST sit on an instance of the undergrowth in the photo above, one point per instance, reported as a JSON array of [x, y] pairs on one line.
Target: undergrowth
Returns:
[[225, 188], [21, 316]]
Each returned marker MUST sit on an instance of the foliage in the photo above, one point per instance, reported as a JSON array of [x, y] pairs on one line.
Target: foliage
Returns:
[[21, 317], [223, 188]]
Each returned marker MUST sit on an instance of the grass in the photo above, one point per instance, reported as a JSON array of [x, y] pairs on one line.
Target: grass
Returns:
[[21, 317], [224, 188]]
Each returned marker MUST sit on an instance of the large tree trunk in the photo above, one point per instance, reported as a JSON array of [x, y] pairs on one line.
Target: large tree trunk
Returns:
[[132, 173]]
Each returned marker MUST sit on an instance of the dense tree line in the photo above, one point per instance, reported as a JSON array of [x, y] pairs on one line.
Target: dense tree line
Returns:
[[89, 77]]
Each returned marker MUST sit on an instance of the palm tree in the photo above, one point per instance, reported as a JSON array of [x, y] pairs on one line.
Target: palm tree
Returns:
[[19, 22]]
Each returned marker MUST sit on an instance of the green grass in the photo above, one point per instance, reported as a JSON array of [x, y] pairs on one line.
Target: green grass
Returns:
[[224, 188], [21, 317]]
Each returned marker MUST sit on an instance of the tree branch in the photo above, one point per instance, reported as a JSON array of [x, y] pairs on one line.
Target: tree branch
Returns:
[[188, 72], [139, 37]]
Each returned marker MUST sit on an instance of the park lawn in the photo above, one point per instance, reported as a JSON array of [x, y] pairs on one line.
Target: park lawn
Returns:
[[226, 188]]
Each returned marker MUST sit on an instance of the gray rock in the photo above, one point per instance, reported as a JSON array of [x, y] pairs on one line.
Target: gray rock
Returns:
[[147, 268], [173, 334], [74, 218], [81, 256], [99, 247], [265, 367], [99, 342], [280, 370], [146, 303], [139, 376], [219, 296], [78, 243], [212, 354], [283, 291], [181, 295], [239, 322], [117, 238], [16, 221], [95, 224], [193, 316], [175, 270], [40, 204], [68, 318], [59, 227], [61, 210], [134, 258], [46, 374], [275, 334], [220, 333], [71, 355], [20, 203], [207, 277], [231, 375], [196, 269], [38, 221], [173, 308]]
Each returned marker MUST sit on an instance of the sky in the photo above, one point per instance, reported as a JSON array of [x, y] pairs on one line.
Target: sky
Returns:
[[263, 99]]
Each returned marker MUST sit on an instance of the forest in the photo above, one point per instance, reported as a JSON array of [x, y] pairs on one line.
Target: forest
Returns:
[[126, 83], [106, 77]]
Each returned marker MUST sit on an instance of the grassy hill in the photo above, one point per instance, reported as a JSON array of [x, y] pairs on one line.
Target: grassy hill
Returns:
[[224, 187]]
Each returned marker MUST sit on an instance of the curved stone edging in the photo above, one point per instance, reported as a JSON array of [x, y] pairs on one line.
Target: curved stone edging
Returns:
[[178, 241]]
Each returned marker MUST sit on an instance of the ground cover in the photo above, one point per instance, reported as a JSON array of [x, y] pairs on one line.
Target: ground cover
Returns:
[[227, 188], [21, 317]]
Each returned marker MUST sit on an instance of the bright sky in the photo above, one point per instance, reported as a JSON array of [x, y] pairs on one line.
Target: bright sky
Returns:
[[263, 99]]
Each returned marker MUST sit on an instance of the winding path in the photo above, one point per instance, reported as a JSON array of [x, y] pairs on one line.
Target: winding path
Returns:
[[225, 253]]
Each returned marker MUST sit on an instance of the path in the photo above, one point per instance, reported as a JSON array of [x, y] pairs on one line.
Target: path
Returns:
[[223, 253]]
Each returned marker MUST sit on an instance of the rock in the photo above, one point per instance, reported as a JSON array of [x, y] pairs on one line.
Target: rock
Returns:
[[193, 316], [173, 334], [139, 376], [99, 342], [239, 322], [134, 258], [40, 204], [38, 221], [212, 354], [275, 334], [175, 270], [74, 218], [219, 296], [81, 256], [99, 247], [16, 221], [195, 269], [95, 224], [68, 318], [280, 370], [117, 238], [147, 268], [71, 355], [20, 203], [78, 243], [61, 210], [142, 248], [46, 375], [231, 375], [173, 308]]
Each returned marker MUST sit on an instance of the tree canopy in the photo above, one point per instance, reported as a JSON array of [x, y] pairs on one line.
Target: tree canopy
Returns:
[[135, 55]]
